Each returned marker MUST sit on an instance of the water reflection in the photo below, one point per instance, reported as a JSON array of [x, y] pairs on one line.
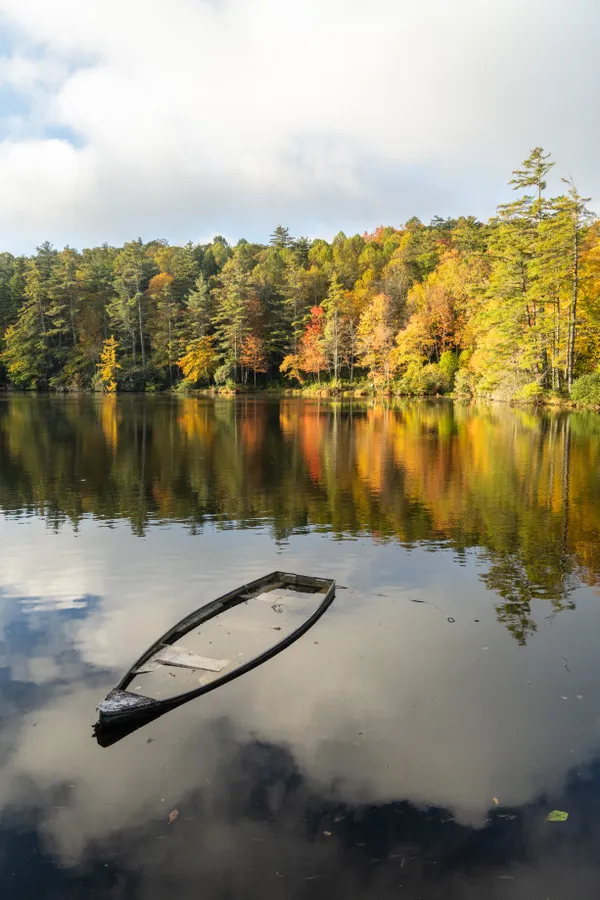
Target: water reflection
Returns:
[[364, 760], [503, 481]]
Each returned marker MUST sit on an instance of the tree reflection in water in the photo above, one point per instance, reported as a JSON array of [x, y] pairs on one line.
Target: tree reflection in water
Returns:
[[520, 488]]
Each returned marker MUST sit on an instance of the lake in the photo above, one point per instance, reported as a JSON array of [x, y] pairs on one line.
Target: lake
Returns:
[[410, 745]]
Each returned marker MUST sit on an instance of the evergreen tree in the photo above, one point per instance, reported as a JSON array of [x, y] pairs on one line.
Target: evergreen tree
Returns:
[[133, 269], [231, 325], [296, 303], [280, 239], [165, 322], [27, 341], [198, 311], [8, 306]]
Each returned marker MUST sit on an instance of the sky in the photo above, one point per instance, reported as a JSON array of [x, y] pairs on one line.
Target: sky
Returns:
[[127, 118]]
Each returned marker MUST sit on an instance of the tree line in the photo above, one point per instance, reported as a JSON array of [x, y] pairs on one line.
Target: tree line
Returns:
[[504, 308]]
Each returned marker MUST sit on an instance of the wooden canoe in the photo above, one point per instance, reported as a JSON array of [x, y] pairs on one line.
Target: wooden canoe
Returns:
[[240, 630]]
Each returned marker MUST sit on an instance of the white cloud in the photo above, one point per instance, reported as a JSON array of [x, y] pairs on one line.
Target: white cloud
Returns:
[[234, 115]]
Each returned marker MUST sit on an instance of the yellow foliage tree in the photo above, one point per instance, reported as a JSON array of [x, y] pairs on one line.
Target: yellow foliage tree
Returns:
[[376, 340], [290, 367], [198, 361], [414, 343], [587, 342], [108, 365]]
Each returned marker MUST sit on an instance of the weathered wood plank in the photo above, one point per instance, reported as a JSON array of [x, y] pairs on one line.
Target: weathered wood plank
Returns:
[[187, 659]]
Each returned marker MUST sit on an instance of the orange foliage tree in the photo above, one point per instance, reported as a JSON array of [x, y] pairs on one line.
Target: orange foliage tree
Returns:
[[254, 354], [312, 353], [311, 356]]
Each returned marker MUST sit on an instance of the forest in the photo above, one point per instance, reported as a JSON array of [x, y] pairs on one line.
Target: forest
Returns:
[[508, 309]]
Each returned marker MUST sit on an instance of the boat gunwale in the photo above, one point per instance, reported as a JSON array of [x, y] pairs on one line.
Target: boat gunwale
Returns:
[[204, 614]]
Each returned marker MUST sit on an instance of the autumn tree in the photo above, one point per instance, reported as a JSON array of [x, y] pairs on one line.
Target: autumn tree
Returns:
[[312, 357], [254, 355], [353, 306], [290, 367], [108, 365], [376, 340], [572, 217], [181, 264], [199, 360]]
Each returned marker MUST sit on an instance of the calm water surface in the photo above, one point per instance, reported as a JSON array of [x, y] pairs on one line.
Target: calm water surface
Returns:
[[410, 745]]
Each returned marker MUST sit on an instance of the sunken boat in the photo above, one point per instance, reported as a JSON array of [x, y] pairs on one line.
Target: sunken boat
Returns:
[[215, 644]]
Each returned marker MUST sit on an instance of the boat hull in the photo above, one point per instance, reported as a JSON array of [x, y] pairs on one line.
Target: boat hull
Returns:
[[125, 708]]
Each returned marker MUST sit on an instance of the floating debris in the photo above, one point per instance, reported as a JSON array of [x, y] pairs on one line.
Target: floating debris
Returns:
[[173, 815], [557, 815]]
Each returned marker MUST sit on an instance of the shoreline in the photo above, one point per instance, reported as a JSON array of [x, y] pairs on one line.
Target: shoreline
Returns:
[[323, 393]]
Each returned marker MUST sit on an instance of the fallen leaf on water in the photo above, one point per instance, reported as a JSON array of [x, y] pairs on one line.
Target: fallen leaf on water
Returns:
[[496, 801], [173, 815], [557, 815]]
